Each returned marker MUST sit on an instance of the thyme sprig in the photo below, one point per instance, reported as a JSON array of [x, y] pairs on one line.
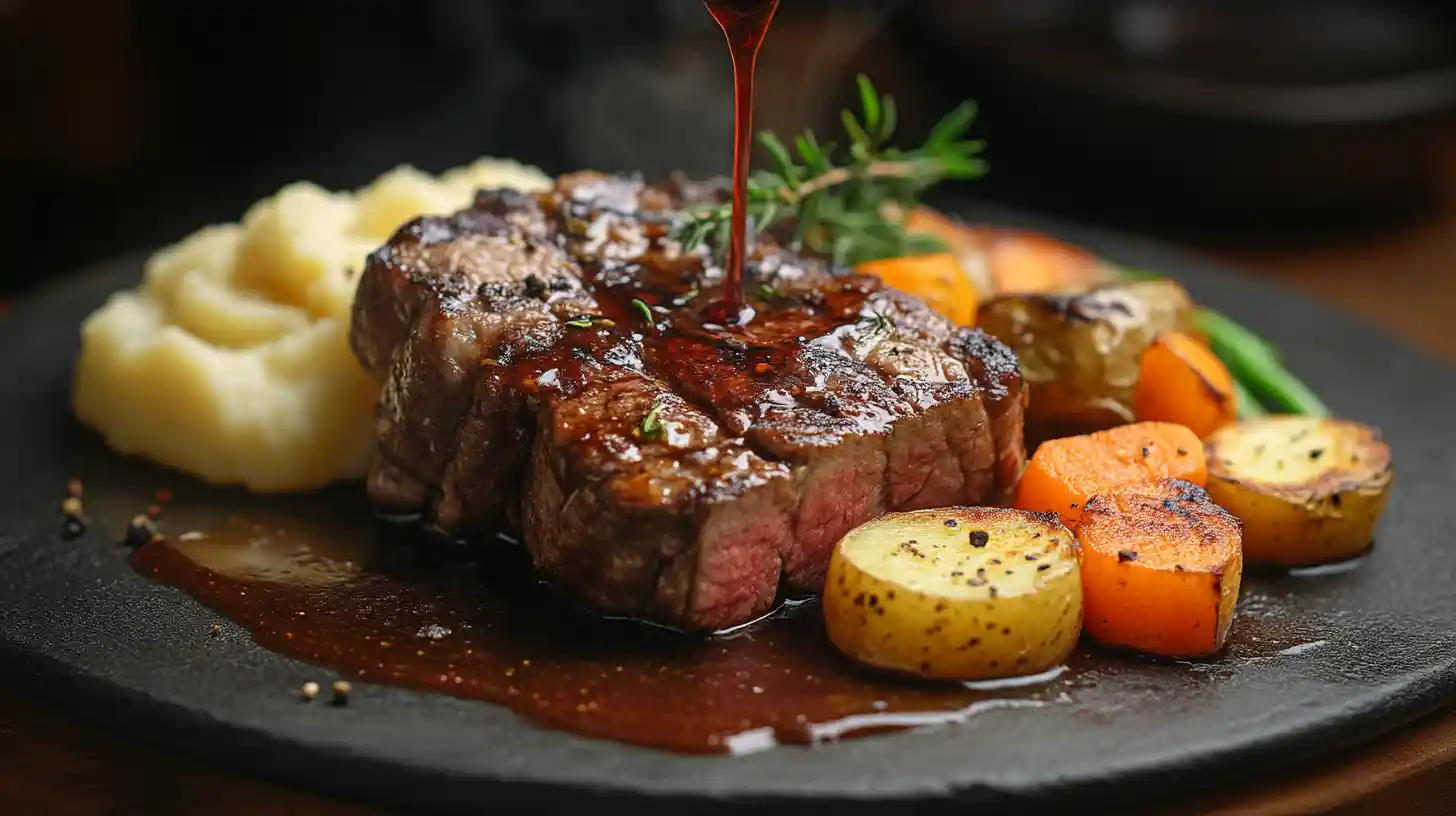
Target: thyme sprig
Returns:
[[849, 205]]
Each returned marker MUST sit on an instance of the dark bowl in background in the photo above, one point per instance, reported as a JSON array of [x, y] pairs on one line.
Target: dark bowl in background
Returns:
[[1203, 116]]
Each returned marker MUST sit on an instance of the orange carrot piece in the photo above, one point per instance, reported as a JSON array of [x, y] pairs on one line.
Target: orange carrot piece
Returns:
[[956, 236], [1161, 566], [1005, 259], [1022, 261], [1030, 262], [1064, 473], [937, 279], [1181, 380]]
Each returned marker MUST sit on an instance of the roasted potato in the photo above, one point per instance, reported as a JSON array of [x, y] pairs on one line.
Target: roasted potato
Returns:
[[1308, 490], [964, 593], [1081, 348], [1161, 567]]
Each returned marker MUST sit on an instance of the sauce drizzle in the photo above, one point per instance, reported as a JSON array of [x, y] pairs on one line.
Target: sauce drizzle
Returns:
[[744, 24]]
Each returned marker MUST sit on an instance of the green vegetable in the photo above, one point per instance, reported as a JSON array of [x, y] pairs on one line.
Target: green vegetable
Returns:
[[1249, 406], [652, 428], [1255, 365], [1258, 369], [644, 310]]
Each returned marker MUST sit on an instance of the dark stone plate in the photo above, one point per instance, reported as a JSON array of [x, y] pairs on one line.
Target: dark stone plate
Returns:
[[1317, 661]]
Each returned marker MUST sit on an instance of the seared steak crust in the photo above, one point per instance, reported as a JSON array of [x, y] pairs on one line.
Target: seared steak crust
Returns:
[[556, 364]]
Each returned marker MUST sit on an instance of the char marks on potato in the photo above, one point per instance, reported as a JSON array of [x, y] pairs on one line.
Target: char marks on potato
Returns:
[[1309, 490], [520, 372], [960, 593]]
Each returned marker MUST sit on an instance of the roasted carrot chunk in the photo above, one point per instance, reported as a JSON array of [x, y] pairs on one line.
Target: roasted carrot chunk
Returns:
[[1182, 381], [1003, 259], [1030, 262], [937, 279], [1161, 566], [1064, 473], [1022, 261]]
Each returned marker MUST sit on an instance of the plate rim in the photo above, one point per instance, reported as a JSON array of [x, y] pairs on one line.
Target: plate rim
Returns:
[[194, 731]]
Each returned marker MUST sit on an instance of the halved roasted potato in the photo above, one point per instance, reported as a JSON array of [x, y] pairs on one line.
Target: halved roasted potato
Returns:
[[1081, 348], [1309, 490], [965, 593]]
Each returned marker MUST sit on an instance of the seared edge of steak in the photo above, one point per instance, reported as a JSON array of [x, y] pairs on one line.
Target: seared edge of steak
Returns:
[[685, 526], [452, 295], [842, 400]]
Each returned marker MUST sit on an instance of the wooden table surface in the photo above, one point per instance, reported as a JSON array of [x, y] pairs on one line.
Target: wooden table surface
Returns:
[[52, 763]]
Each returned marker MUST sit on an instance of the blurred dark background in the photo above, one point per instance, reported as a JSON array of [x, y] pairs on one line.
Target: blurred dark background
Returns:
[[127, 123]]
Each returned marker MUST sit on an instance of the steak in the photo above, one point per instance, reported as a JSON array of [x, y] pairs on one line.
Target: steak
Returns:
[[555, 364]]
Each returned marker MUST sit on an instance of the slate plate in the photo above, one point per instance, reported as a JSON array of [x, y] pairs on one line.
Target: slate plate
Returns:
[[1317, 661]]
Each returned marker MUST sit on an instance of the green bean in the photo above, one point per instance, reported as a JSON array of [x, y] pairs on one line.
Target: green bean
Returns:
[[1255, 364], [1260, 378], [1212, 322], [1248, 405]]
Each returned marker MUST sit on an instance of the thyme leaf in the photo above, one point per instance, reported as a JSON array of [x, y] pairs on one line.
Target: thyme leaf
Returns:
[[652, 429], [644, 310]]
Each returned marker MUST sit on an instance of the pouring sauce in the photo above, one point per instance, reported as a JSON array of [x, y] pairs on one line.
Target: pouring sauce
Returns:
[[744, 24]]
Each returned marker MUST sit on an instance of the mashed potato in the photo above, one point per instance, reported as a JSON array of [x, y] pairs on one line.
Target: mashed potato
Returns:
[[231, 361]]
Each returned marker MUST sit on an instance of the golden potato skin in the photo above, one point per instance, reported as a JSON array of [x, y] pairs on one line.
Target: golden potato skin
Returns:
[[913, 593], [1081, 348], [1308, 490]]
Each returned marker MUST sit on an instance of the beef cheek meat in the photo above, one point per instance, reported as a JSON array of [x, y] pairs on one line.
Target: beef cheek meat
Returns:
[[555, 365]]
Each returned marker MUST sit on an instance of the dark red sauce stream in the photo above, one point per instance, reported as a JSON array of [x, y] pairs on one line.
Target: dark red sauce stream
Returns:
[[744, 23]]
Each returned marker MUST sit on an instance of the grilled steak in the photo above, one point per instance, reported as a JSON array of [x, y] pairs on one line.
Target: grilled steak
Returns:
[[557, 365]]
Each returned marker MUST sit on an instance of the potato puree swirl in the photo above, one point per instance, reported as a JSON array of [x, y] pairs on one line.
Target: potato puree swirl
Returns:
[[231, 360]]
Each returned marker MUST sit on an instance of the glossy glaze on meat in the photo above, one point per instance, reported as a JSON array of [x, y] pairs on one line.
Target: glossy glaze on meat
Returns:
[[684, 469]]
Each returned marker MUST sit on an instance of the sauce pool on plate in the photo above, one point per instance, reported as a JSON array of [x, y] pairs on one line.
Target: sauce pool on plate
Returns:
[[384, 604]]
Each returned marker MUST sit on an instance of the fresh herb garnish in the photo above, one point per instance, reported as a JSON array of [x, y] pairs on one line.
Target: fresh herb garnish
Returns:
[[768, 292], [850, 208], [644, 310], [652, 428], [584, 322]]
